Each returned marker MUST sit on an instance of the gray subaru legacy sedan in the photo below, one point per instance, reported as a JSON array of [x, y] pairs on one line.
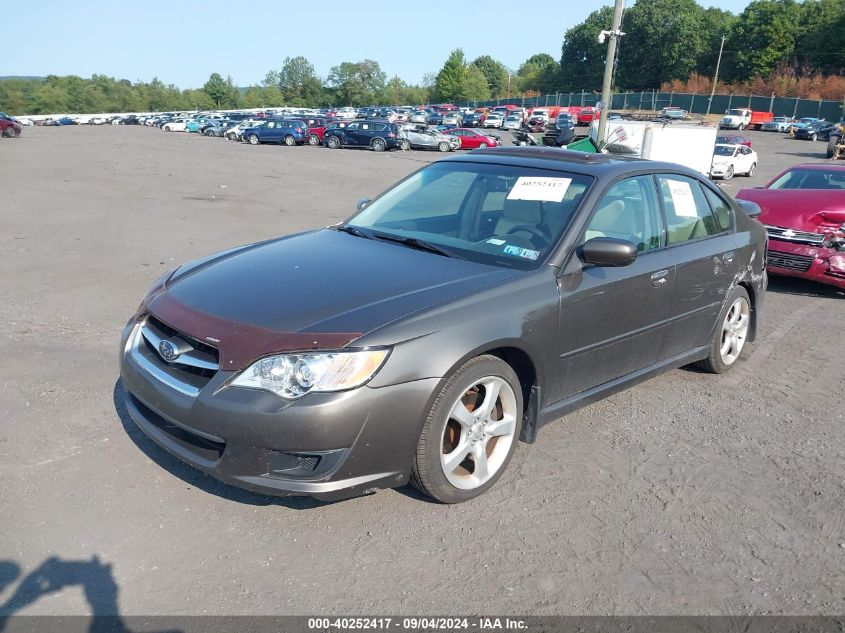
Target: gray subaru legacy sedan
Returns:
[[455, 314]]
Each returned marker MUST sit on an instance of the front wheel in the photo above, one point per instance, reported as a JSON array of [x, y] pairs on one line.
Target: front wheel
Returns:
[[404, 145], [729, 173], [378, 145], [483, 146], [831, 146], [333, 142], [751, 170], [470, 433], [443, 146], [813, 136], [730, 334], [253, 139]]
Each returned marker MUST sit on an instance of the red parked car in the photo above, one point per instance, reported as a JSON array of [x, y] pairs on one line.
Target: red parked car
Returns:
[[316, 128], [804, 213], [586, 115], [733, 139], [472, 139], [9, 126]]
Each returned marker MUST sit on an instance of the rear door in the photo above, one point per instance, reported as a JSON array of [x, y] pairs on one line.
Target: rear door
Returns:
[[613, 320], [704, 249]]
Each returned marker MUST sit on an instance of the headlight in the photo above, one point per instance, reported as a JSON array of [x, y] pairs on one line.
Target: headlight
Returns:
[[291, 376]]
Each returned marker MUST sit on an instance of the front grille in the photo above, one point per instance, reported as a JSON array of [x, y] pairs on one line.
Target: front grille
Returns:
[[197, 363], [791, 235], [789, 261]]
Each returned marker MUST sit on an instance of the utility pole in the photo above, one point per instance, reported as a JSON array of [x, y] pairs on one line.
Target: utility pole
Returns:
[[716, 76], [609, 65]]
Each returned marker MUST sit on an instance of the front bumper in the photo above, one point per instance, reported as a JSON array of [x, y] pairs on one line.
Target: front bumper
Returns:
[[325, 445], [718, 171], [820, 264]]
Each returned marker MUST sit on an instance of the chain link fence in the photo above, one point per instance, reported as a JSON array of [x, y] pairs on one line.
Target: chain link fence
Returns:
[[694, 103]]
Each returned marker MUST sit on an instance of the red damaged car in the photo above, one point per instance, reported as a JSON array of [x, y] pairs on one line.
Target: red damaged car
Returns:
[[804, 213]]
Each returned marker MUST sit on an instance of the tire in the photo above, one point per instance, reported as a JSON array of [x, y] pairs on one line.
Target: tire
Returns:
[[404, 145], [751, 170], [378, 144], [483, 146], [741, 127], [470, 437], [443, 146], [333, 142], [290, 141], [729, 173], [313, 140], [207, 133], [253, 139], [831, 146], [167, 128], [717, 361], [814, 136]]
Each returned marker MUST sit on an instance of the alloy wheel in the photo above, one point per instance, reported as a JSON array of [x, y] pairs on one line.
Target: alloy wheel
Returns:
[[735, 330], [479, 433]]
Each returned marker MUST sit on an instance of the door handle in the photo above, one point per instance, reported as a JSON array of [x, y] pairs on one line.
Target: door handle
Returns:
[[659, 278]]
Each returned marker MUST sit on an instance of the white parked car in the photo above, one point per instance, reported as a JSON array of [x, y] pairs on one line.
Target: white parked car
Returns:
[[542, 113], [730, 160], [235, 132], [176, 125], [512, 122], [96, 120], [346, 113], [494, 119], [778, 124]]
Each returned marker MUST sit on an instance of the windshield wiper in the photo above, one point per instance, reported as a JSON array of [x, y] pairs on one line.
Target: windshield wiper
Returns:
[[352, 230], [413, 242]]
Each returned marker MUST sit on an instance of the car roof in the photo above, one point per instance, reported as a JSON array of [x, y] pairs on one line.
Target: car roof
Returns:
[[819, 167], [599, 165]]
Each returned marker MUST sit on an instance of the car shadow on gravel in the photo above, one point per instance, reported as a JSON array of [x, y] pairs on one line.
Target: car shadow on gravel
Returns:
[[804, 287], [195, 477]]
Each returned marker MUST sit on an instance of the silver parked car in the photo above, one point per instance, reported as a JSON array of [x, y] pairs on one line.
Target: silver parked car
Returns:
[[418, 116], [421, 137], [777, 124]]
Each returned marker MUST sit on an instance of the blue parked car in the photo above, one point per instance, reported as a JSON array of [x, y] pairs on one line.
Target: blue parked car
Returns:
[[285, 131], [66, 120]]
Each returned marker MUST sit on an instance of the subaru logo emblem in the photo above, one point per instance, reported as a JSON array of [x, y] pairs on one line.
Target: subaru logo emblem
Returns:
[[168, 350]]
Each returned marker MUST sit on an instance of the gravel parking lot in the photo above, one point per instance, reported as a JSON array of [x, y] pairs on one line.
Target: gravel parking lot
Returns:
[[689, 494]]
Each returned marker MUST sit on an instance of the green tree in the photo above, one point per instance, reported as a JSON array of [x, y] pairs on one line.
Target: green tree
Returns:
[[765, 34], [582, 57], [495, 73], [475, 85], [663, 41], [218, 90], [298, 82], [538, 73], [715, 23], [356, 83], [449, 85], [821, 43]]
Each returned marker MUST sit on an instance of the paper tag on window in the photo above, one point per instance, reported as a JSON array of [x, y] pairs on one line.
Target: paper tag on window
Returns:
[[682, 198], [540, 189]]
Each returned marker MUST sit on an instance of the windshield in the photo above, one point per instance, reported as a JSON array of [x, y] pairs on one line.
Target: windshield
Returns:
[[724, 150], [734, 112], [494, 214], [810, 179]]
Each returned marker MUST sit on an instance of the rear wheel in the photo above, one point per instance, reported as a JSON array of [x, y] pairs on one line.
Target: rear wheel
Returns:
[[470, 433], [378, 144], [404, 144], [831, 146], [289, 140], [483, 145], [333, 142], [751, 170], [730, 334], [313, 140], [253, 139]]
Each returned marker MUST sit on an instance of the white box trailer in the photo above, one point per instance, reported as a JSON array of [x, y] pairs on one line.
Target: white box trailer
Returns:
[[690, 145]]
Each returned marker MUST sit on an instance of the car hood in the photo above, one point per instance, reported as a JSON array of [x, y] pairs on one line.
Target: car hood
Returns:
[[814, 210], [319, 283]]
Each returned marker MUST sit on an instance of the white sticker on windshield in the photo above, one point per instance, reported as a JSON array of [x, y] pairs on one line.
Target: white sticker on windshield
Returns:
[[496, 241], [682, 198], [540, 189]]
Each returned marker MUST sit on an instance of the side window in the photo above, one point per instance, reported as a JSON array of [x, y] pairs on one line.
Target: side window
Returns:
[[629, 211], [688, 215], [379, 127], [721, 209], [365, 126], [353, 126]]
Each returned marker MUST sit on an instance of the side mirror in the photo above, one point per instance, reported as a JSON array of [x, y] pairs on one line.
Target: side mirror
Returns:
[[752, 209], [608, 251], [363, 202]]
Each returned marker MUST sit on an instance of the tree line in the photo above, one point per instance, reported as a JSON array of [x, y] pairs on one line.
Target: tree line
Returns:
[[791, 47]]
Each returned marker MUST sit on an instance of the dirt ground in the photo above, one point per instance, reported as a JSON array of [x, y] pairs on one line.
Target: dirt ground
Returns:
[[689, 494]]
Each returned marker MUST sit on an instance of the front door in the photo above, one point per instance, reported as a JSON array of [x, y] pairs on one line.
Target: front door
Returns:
[[613, 320]]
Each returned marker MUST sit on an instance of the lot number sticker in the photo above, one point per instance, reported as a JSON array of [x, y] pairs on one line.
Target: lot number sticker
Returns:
[[682, 198], [540, 189]]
